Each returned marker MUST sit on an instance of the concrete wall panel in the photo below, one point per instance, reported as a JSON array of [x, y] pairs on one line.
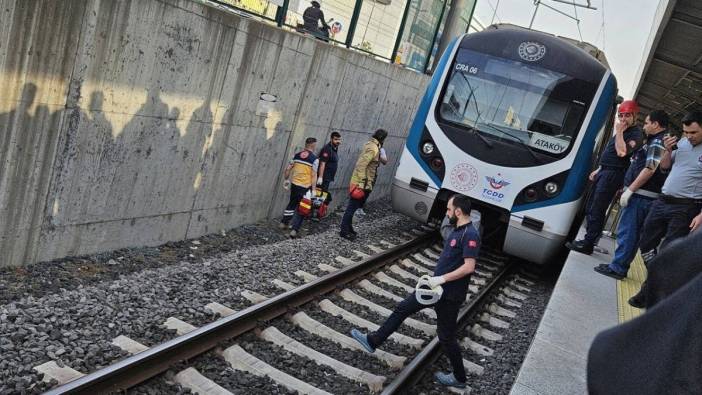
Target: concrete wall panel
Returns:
[[137, 122]]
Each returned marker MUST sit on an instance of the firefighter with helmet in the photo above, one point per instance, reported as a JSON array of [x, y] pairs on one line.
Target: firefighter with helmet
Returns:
[[608, 178]]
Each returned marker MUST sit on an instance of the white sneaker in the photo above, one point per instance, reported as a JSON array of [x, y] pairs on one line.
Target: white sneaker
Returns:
[[293, 233], [360, 212]]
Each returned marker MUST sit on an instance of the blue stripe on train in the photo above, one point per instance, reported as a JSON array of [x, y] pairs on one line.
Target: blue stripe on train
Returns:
[[420, 119], [577, 178]]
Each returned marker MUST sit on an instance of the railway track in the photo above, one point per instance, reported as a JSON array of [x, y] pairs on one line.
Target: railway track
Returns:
[[309, 323]]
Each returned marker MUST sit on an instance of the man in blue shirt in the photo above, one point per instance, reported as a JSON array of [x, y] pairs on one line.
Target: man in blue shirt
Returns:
[[609, 176], [453, 270], [643, 181]]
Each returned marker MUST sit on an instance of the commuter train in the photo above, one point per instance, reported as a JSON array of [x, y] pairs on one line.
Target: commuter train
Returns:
[[512, 118]]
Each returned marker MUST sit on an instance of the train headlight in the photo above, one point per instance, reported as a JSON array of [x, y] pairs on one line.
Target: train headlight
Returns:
[[427, 148], [530, 194], [437, 163], [551, 188]]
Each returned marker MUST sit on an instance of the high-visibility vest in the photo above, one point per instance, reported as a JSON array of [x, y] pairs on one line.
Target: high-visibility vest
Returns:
[[303, 168]]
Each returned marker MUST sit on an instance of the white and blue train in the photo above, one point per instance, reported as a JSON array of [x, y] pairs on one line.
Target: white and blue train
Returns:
[[514, 119]]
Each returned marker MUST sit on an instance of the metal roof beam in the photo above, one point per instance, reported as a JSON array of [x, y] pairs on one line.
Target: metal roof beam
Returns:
[[663, 104], [673, 62], [676, 90]]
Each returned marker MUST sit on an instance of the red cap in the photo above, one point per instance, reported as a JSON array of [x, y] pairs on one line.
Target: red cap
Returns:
[[629, 106]]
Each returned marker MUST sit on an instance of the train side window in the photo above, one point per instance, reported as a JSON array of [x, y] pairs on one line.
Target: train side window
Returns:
[[573, 118]]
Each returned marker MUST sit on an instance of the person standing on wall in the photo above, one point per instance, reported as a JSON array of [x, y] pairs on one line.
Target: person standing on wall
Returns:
[[609, 176], [362, 180], [301, 174]]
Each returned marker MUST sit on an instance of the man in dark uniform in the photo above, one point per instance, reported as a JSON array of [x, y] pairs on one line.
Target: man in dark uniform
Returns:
[[328, 163], [312, 16], [677, 211], [609, 176], [453, 270], [643, 182]]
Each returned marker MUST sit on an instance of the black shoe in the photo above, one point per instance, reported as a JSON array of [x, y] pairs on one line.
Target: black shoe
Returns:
[[580, 246], [607, 271], [348, 236], [353, 232], [637, 301]]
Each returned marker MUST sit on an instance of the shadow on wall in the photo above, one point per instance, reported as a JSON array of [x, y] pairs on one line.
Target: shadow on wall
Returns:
[[71, 183]]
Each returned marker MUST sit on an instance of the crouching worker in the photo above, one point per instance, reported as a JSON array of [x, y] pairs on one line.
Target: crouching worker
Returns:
[[450, 285]]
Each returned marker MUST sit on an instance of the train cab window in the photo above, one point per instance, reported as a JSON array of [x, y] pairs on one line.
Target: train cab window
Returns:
[[515, 104]]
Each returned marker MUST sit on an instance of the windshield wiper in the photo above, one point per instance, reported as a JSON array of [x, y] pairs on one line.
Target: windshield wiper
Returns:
[[477, 111], [517, 139], [483, 138]]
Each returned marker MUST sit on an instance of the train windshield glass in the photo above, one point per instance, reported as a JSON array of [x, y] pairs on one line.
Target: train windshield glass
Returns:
[[511, 101]]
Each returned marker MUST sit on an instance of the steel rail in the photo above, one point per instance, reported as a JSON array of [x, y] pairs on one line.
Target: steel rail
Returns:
[[417, 367], [149, 363]]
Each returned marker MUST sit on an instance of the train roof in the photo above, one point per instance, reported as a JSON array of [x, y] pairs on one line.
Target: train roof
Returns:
[[541, 49], [585, 46]]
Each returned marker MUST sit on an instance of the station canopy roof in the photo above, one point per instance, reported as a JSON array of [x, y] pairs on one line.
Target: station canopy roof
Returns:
[[670, 75]]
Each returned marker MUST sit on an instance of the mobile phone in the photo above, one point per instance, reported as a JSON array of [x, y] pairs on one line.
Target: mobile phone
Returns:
[[675, 146]]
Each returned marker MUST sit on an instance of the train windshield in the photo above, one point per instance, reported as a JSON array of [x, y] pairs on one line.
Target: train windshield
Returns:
[[517, 103]]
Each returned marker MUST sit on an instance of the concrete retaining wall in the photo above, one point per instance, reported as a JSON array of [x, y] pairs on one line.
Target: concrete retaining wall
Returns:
[[132, 123]]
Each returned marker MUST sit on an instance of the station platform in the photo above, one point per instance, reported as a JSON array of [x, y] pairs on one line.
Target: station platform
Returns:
[[583, 303]]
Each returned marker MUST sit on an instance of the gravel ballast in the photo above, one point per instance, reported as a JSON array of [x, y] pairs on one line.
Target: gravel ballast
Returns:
[[54, 312]]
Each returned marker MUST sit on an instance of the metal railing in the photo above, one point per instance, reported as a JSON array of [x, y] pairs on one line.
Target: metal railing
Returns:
[[412, 44]]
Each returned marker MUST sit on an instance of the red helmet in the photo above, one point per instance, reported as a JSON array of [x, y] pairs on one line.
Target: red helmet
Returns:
[[629, 106]]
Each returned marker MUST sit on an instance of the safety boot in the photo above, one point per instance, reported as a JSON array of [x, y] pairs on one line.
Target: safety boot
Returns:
[[580, 246]]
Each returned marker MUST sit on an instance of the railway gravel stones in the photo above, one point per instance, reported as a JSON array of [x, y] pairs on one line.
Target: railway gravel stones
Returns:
[[355, 321], [273, 335], [75, 326], [241, 360], [316, 328]]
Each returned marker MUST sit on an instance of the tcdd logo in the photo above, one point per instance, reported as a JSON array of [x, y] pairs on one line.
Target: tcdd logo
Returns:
[[494, 195]]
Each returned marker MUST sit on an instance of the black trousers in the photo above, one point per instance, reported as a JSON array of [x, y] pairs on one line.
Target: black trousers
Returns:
[[607, 183], [446, 314], [666, 220], [296, 194]]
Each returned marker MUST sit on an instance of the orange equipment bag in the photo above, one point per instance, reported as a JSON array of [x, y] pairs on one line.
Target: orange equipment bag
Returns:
[[305, 206]]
